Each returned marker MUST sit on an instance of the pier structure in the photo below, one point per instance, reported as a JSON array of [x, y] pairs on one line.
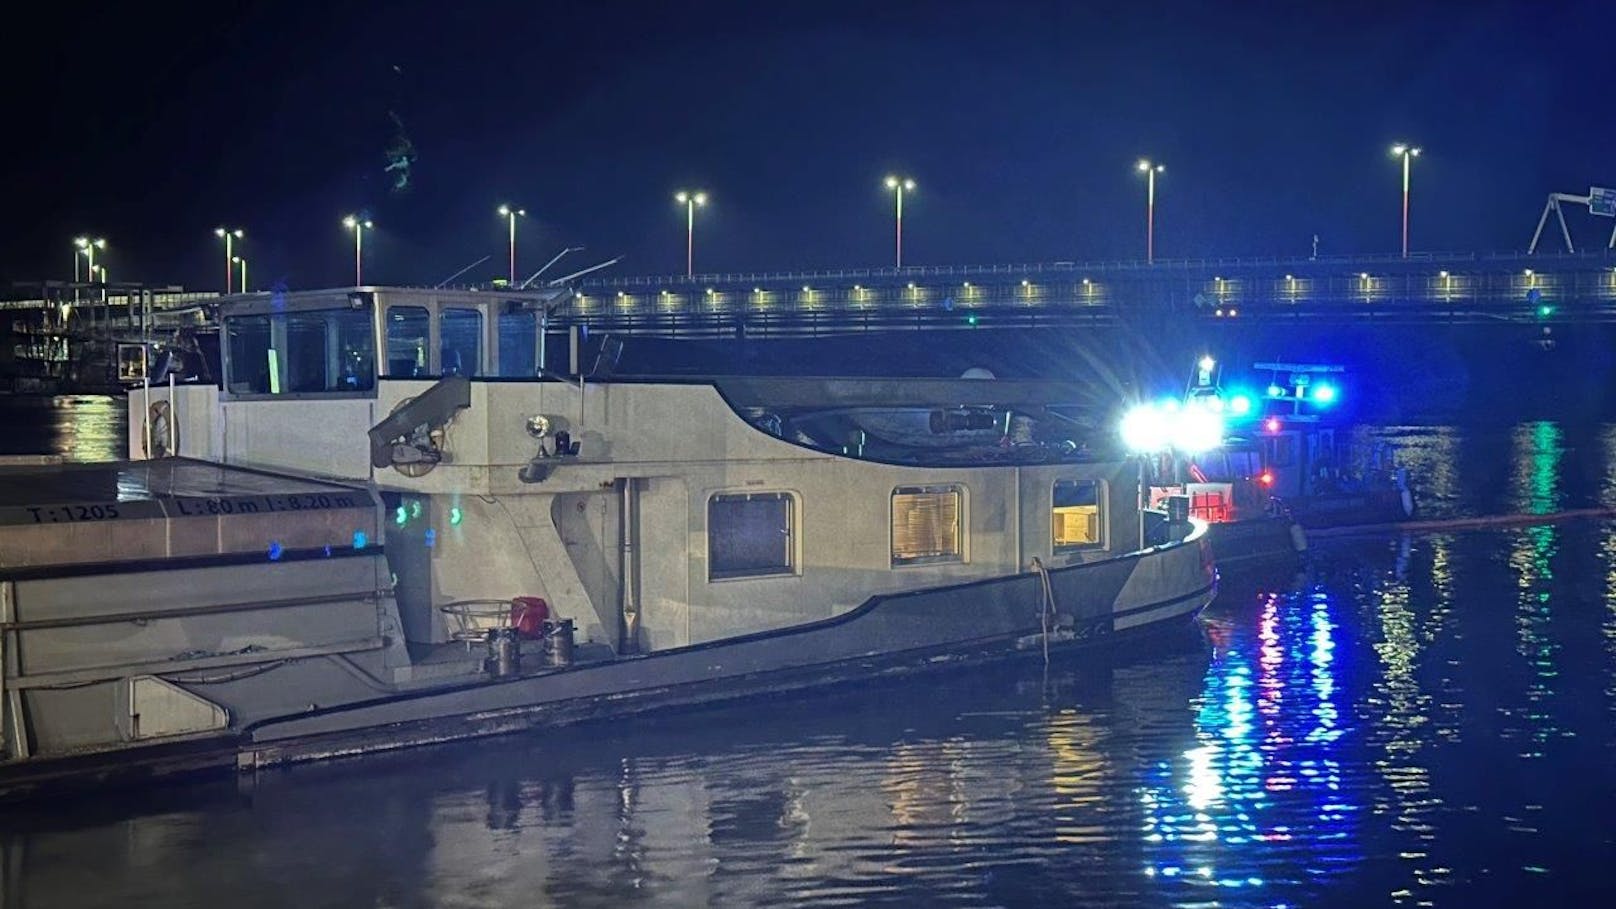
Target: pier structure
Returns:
[[1436, 288], [66, 336]]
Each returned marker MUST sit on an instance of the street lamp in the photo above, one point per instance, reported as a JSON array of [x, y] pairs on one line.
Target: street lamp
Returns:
[[1407, 153], [358, 225], [690, 200], [900, 185], [512, 214], [230, 235], [243, 263], [87, 247], [1150, 171]]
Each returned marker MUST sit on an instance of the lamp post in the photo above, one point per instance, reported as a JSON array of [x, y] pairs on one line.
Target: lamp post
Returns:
[[1408, 153], [900, 185], [511, 214], [230, 235], [358, 225], [88, 248], [690, 200], [1150, 171], [243, 263]]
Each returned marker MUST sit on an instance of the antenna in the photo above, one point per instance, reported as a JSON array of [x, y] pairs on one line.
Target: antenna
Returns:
[[461, 272], [547, 265], [557, 282], [1600, 202]]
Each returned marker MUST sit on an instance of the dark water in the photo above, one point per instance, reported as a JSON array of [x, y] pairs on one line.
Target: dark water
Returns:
[[1424, 720]]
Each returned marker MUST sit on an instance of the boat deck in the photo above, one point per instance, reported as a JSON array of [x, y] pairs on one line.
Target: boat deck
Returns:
[[75, 513]]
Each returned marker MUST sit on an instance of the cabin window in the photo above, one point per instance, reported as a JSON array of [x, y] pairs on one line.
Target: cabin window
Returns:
[[750, 535], [926, 524], [518, 344], [353, 343], [1281, 450], [252, 370], [409, 337], [304, 352], [1243, 464], [1077, 516], [462, 334]]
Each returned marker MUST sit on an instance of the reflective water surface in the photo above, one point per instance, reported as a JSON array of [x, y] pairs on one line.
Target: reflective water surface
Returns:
[[1409, 720], [77, 427]]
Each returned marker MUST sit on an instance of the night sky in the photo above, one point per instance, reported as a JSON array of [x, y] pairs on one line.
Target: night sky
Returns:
[[1021, 123]]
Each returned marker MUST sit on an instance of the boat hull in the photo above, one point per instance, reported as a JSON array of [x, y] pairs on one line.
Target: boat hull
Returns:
[[1017, 616], [1256, 540]]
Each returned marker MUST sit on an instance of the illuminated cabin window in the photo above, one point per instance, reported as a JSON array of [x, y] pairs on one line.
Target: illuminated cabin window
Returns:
[[1077, 516], [750, 535], [926, 524]]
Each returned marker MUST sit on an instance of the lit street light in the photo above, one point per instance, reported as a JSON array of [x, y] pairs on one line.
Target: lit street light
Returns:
[[900, 185], [1150, 171], [1407, 153], [512, 214], [243, 263], [230, 235], [358, 225], [87, 248], [690, 200]]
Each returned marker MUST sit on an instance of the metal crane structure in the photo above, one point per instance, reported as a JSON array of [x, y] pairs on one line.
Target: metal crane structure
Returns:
[[1600, 201]]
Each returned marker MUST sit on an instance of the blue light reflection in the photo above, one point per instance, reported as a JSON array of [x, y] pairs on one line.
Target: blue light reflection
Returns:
[[1263, 784]]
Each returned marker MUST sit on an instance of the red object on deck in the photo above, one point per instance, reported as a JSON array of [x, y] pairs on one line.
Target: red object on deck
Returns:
[[1266, 478], [528, 615]]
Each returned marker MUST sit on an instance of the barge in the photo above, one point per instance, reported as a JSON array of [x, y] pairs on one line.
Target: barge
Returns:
[[390, 524]]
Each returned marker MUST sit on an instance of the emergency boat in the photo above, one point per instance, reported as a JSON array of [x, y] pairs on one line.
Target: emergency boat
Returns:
[[1261, 468]]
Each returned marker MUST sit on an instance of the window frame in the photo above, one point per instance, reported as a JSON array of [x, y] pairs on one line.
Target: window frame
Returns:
[[961, 553], [385, 355], [793, 531], [449, 313], [1102, 505], [277, 326]]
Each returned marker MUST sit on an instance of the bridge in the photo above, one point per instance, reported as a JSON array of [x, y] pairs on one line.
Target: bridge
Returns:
[[1423, 288]]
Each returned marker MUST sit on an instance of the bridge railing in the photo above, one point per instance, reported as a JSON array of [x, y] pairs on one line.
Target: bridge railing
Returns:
[[1354, 263]]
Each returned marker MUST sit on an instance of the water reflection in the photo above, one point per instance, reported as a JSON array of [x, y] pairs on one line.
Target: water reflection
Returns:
[[79, 428], [1432, 456], [1537, 451], [1263, 783], [1607, 551]]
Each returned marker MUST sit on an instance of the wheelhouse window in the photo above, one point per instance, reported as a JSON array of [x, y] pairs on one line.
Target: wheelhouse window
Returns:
[[254, 368], [518, 344], [926, 524], [1078, 516], [1280, 450], [409, 337], [322, 351], [461, 331], [750, 535]]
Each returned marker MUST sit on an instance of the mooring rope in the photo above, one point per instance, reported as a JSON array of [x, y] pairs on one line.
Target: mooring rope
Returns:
[[1048, 606]]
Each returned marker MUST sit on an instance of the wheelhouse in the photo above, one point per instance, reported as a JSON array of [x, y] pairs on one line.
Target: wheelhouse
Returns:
[[338, 344]]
